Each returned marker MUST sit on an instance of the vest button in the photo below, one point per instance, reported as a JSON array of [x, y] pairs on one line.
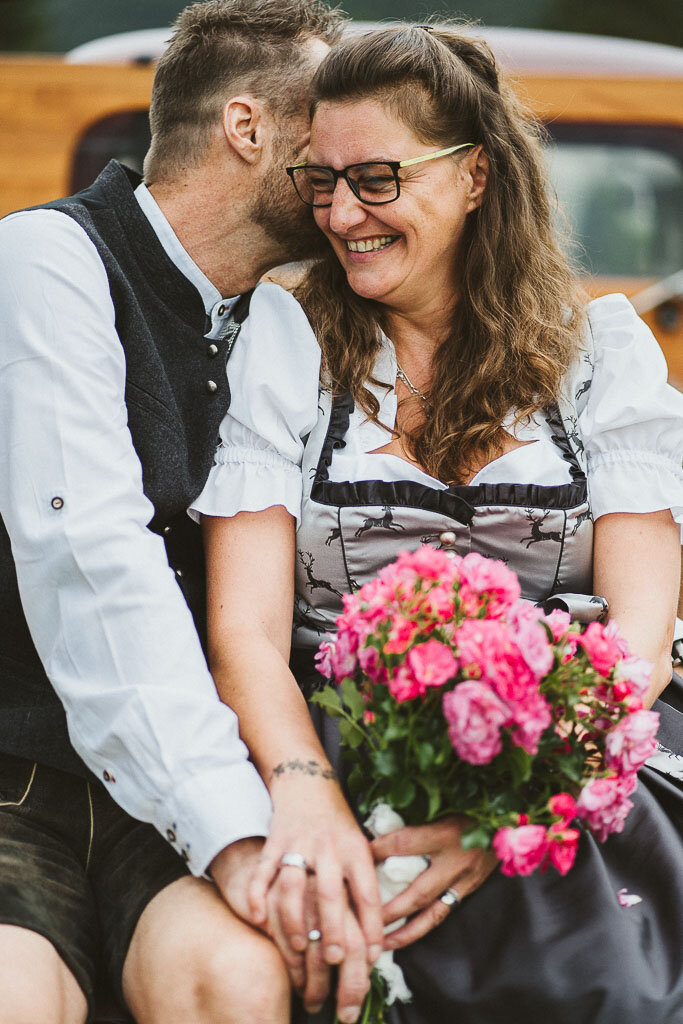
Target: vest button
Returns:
[[170, 835], [167, 530], [179, 573], [221, 310], [212, 351], [211, 386]]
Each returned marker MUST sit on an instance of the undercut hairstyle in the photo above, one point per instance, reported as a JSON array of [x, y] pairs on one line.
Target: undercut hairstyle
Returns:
[[219, 49], [519, 314]]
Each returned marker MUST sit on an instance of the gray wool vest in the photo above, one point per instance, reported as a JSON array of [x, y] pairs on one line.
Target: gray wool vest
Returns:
[[173, 416]]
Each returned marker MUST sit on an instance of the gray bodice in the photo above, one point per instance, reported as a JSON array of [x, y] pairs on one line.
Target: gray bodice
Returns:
[[349, 530]]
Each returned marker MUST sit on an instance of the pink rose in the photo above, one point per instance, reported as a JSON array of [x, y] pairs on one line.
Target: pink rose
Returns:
[[430, 563], [475, 716], [371, 664], [403, 685], [564, 806], [603, 645], [532, 717], [562, 847], [521, 849], [531, 638], [487, 652], [432, 663], [343, 655], [636, 672], [604, 804], [402, 633], [439, 603], [323, 659], [487, 580], [631, 741], [399, 579], [559, 623]]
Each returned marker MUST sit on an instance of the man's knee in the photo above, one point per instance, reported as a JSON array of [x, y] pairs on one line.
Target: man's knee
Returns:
[[35, 982], [192, 960], [244, 983]]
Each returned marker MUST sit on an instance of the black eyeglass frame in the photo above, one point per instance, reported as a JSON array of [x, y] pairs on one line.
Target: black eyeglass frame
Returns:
[[393, 165]]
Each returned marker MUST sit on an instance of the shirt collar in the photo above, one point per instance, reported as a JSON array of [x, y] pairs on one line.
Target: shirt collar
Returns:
[[215, 305]]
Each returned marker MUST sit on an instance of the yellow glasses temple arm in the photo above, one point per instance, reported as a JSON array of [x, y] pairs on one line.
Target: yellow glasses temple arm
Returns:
[[433, 156]]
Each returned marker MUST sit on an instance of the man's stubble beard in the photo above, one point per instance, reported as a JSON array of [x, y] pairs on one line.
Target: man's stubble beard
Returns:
[[282, 215]]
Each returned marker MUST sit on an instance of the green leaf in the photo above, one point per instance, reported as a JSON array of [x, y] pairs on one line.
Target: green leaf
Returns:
[[329, 700], [519, 763], [431, 788], [424, 754], [475, 837], [352, 698], [351, 734], [385, 763], [402, 793], [356, 781]]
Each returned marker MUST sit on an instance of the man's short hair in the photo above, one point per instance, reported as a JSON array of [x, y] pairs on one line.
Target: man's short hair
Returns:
[[219, 49]]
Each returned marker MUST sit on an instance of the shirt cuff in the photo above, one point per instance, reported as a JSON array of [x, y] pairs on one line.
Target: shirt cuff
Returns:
[[249, 480], [213, 810], [634, 481]]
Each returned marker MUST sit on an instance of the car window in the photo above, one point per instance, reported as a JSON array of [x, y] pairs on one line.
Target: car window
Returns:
[[622, 191], [124, 136]]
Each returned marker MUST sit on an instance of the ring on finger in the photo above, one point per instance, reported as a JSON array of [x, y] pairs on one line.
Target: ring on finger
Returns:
[[315, 935], [293, 860], [451, 897]]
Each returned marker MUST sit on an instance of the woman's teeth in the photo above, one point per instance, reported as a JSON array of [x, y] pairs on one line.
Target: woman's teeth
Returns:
[[368, 244]]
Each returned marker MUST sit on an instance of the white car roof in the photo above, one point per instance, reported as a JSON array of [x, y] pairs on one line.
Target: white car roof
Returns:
[[519, 49]]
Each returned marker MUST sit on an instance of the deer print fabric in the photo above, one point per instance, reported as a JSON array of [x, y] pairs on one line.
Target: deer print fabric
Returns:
[[349, 530]]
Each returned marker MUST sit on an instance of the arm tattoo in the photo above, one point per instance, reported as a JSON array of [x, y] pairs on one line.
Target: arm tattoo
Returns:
[[304, 768]]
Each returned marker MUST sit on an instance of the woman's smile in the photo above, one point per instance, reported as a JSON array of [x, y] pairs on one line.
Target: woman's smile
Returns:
[[403, 252], [369, 246]]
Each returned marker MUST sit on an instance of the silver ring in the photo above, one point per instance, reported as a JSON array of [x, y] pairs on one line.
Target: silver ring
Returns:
[[315, 935], [451, 897], [293, 860]]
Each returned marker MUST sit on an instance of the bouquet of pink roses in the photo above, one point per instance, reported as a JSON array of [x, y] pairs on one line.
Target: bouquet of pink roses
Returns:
[[455, 696], [458, 697]]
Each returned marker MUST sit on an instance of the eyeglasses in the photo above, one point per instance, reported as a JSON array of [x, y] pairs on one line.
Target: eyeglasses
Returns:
[[375, 182]]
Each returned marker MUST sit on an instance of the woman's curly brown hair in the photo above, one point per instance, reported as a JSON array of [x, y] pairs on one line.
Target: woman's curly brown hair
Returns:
[[518, 319]]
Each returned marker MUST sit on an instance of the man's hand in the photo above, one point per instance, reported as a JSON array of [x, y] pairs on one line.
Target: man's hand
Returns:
[[232, 870]]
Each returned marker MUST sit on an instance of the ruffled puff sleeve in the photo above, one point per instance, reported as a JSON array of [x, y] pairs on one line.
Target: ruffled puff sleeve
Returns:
[[273, 372], [632, 422]]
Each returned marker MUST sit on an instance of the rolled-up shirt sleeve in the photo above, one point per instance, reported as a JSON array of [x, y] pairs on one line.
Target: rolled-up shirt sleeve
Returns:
[[632, 422], [107, 618], [274, 376]]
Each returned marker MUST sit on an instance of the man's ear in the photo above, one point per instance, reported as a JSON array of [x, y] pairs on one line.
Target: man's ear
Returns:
[[243, 127], [479, 171]]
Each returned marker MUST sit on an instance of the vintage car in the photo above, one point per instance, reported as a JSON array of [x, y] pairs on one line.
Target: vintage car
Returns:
[[613, 109]]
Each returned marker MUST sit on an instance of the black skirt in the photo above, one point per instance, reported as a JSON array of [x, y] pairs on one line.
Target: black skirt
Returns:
[[552, 949]]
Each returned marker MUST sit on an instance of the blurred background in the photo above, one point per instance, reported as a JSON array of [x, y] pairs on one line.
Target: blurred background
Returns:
[[604, 76], [59, 25]]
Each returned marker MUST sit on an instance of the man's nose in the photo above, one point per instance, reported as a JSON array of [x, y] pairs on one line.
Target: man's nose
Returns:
[[347, 210]]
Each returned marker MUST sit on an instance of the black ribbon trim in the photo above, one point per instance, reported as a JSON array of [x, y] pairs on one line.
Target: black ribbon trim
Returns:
[[456, 502]]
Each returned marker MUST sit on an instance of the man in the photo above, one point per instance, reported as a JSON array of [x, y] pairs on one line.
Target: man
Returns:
[[116, 319]]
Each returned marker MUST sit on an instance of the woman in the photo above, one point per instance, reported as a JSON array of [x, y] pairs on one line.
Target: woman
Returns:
[[466, 388]]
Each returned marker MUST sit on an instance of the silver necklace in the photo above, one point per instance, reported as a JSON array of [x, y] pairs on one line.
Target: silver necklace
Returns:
[[403, 376]]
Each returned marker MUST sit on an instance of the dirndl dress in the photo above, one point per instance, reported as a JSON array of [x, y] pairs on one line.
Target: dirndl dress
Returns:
[[542, 949]]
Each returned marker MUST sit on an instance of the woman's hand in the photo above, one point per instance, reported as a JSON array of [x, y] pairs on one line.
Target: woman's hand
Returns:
[[450, 865], [312, 818]]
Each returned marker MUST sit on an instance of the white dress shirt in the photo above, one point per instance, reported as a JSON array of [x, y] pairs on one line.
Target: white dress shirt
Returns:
[[107, 618]]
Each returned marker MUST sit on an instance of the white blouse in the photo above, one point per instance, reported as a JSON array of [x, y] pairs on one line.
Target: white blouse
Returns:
[[631, 424]]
